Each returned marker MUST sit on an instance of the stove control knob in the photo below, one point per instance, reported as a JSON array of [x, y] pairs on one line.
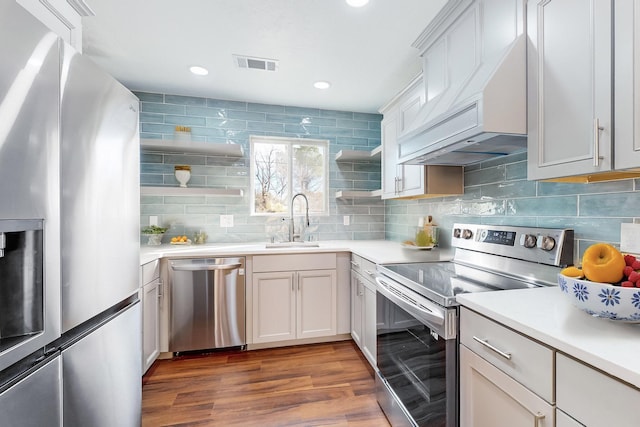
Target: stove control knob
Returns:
[[457, 233], [466, 234], [547, 243], [528, 240]]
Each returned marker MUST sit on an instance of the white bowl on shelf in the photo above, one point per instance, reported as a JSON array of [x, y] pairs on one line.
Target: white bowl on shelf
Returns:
[[602, 299]]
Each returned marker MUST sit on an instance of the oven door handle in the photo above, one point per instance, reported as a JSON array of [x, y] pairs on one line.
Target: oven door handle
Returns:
[[427, 310]]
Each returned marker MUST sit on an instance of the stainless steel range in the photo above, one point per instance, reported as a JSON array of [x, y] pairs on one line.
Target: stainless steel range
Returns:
[[417, 344]]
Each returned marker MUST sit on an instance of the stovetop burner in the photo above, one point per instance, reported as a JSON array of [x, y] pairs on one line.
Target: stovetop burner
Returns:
[[488, 258]]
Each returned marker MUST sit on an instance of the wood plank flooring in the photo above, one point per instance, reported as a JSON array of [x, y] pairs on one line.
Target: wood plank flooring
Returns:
[[327, 384]]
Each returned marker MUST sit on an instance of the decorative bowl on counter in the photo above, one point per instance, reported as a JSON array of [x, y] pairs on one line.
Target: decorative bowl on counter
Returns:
[[154, 239], [602, 299]]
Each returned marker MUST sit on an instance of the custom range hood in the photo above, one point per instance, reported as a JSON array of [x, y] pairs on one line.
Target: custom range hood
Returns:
[[474, 70]]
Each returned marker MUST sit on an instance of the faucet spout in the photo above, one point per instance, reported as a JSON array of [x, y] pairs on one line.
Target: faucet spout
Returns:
[[292, 234]]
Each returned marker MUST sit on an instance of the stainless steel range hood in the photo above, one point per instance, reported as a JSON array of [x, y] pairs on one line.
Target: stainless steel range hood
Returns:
[[474, 57]]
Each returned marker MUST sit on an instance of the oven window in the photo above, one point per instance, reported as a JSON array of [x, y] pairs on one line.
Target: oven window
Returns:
[[420, 369], [21, 286]]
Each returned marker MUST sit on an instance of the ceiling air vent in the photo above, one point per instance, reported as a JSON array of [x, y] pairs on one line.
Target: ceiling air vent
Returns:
[[256, 63]]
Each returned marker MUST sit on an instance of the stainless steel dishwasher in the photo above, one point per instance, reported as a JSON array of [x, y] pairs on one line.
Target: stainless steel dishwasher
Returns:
[[207, 304]]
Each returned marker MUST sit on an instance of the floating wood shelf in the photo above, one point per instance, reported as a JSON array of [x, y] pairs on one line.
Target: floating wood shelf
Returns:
[[210, 148], [358, 194], [190, 191], [359, 155]]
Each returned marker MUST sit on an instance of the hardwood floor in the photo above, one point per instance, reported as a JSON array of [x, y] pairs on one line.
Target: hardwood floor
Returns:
[[313, 385]]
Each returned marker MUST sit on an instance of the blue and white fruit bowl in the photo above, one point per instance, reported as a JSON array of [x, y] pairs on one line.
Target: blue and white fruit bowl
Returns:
[[602, 299]]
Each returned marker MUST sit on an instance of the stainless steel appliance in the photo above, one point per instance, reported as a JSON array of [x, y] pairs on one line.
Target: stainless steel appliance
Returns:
[[70, 339], [207, 304], [417, 344]]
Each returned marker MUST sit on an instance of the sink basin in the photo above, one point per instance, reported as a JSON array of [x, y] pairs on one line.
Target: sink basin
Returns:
[[292, 245]]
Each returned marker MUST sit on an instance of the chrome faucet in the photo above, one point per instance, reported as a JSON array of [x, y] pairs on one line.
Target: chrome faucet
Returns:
[[292, 234]]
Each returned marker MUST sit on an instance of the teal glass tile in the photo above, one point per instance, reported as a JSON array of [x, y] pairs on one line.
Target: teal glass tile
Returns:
[[353, 124], [184, 100], [265, 108], [485, 176], [150, 107], [286, 119], [610, 205], [483, 208], [149, 97], [300, 111], [543, 206], [367, 133], [151, 117], [516, 170], [184, 200], [225, 123], [157, 128], [331, 131], [185, 120], [561, 188], [336, 114], [510, 189], [265, 127], [208, 132], [246, 115], [317, 121], [151, 179], [297, 130], [229, 105], [206, 112], [369, 117]]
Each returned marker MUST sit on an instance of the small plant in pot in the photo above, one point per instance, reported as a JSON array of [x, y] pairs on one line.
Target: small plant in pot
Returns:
[[154, 233]]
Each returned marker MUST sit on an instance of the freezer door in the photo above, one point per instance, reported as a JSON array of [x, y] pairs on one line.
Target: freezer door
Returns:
[[100, 206], [34, 401], [101, 374], [29, 169]]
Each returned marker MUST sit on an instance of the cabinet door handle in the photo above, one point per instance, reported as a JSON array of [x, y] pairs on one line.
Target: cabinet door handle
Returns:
[[596, 141], [355, 264], [537, 418], [492, 348], [369, 272]]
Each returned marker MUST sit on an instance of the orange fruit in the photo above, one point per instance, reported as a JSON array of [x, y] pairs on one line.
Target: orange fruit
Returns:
[[572, 271], [603, 263]]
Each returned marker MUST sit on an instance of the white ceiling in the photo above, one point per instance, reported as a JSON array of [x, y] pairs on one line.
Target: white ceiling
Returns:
[[365, 52]]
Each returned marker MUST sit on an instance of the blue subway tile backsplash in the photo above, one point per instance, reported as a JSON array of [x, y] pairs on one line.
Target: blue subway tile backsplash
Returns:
[[222, 121], [496, 191]]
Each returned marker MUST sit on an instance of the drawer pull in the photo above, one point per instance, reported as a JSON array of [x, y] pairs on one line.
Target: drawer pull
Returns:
[[370, 273], [355, 264], [490, 347]]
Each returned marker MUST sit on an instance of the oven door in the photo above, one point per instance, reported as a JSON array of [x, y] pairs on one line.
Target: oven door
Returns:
[[417, 382]]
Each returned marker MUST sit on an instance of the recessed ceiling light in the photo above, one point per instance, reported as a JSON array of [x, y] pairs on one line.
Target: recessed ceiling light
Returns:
[[199, 71], [322, 85], [357, 3]]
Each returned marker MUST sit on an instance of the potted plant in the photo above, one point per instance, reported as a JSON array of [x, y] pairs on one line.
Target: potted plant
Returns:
[[154, 233]]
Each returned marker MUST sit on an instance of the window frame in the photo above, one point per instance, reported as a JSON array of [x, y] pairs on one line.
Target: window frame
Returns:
[[290, 141]]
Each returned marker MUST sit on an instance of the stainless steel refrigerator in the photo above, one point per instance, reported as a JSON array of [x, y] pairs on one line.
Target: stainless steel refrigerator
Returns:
[[70, 317]]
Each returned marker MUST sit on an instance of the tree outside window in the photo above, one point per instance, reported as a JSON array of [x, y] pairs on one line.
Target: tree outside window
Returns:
[[282, 167]]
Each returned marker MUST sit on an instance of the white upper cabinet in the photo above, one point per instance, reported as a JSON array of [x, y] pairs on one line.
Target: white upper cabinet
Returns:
[[63, 17], [627, 84], [573, 134], [401, 180]]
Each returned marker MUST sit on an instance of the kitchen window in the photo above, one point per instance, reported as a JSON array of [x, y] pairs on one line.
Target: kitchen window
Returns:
[[283, 167]]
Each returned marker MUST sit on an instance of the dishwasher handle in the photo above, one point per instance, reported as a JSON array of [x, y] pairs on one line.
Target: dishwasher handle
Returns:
[[205, 267]]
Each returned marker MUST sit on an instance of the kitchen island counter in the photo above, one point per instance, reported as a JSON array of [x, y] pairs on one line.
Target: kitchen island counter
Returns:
[[377, 251], [547, 316]]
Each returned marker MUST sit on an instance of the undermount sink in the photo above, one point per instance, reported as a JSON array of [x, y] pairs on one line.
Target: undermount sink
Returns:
[[292, 245]]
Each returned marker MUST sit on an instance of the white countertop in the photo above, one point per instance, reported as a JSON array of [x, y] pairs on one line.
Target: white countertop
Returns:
[[377, 251], [547, 316]]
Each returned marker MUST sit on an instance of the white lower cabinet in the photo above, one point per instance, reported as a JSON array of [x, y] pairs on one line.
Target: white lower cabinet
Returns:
[[290, 305], [151, 299], [364, 311], [593, 399], [491, 398], [499, 369]]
